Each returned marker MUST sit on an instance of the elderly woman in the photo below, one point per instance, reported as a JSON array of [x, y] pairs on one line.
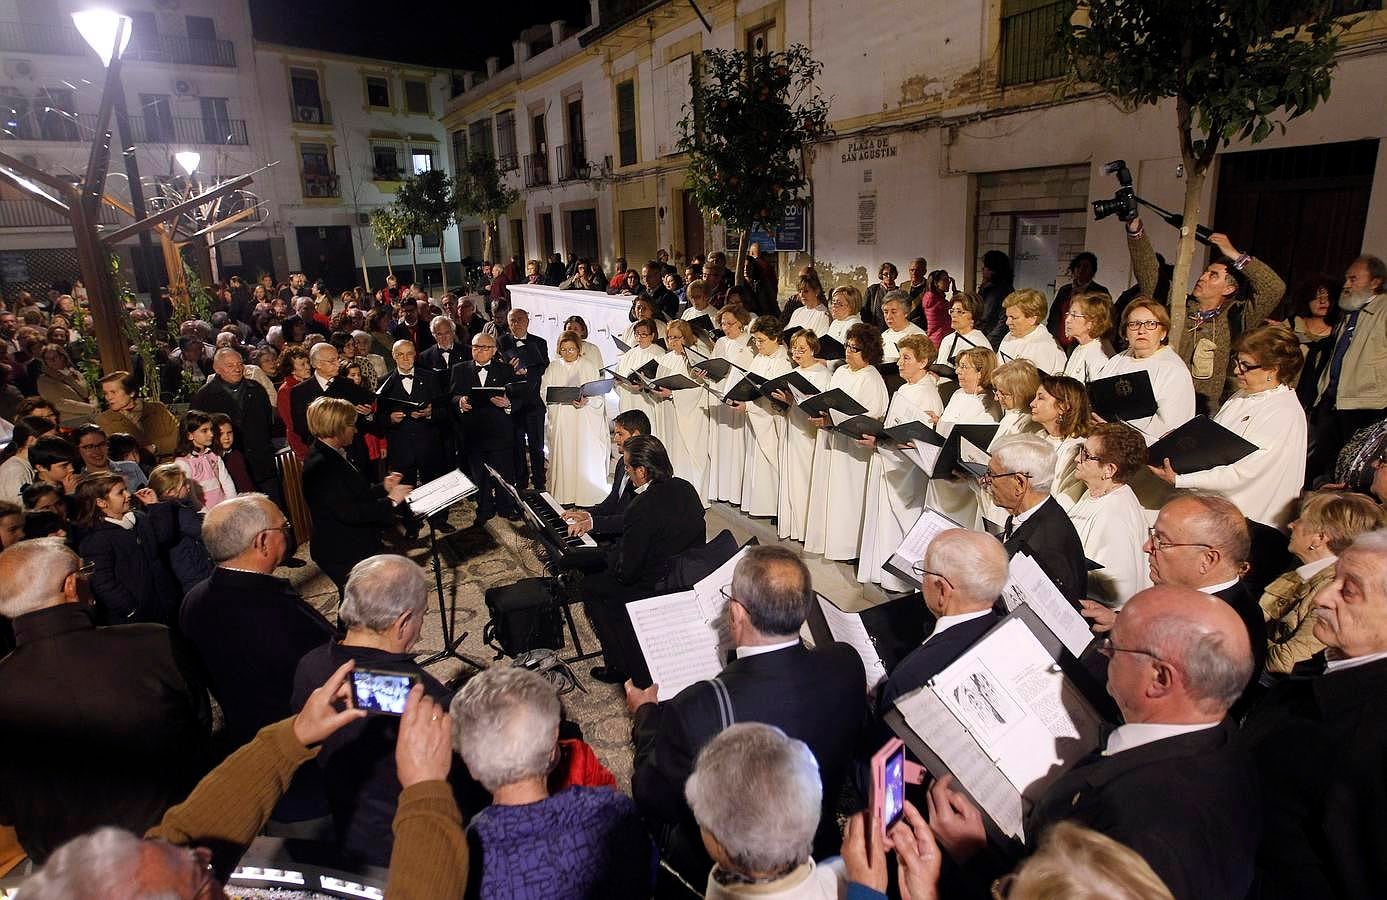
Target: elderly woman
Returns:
[[1266, 412], [1329, 521], [812, 313], [797, 451], [895, 485], [642, 310], [894, 309], [765, 426], [149, 421], [294, 368], [971, 404], [757, 796], [1060, 408], [579, 327], [1108, 517], [1026, 338], [643, 350], [580, 841], [837, 496], [65, 388], [1145, 325], [964, 310], [684, 416], [727, 454], [877, 293], [844, 304], [576, 432], [362, 349], [1087, 323]]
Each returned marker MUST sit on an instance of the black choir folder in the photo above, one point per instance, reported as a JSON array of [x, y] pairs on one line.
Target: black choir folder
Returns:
[[883, 635], [1199, 444], [837, 398], [786, 382], [715, 367], [1006, 719], [565, 394], [1123, 398]]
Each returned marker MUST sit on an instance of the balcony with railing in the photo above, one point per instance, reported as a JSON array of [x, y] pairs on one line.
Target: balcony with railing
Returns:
[[536, 169], [54, 124], [1029, 30], [508, 162], [316, 185], [573, 161], [37, 214], [63, 40]]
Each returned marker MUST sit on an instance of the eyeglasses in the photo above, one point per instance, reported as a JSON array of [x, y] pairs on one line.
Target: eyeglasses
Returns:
[[1075, 315], [1243, 368], [838, 304], [96, 446], [853, 348], [1108, 648], [1001, 888], [920, 572], [1160, 543], [286, 529], [988, 477], [1150, 325], [1085, 456]]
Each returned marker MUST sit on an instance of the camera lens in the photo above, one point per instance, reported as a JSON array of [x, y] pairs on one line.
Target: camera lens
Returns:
[[1104, 208]]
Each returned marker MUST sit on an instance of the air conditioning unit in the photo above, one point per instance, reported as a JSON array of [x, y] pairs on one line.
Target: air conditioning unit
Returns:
[[309, 114], [317, 189], [363, 218], [19, 68], [184, 88]]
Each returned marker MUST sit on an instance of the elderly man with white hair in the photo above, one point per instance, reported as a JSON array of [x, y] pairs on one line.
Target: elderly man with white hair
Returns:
[[383, 612], [756, 795], [1018, 479], [578, 842], [1320, 740]]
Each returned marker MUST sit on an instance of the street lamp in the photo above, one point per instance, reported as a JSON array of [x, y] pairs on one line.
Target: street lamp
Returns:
[[99, 28], [188, 160]]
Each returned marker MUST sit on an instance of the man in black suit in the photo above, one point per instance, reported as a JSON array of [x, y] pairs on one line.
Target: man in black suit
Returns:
[[1172, 782], [323, 358], [665, 518], [664, 301], [251, 412], [528, 355], [410, 328], [1020, 472], [604, 521], [103, 726], [1319, 739], [410, 407], [487, 433], [816, 696], [962, 576], [440, 360]]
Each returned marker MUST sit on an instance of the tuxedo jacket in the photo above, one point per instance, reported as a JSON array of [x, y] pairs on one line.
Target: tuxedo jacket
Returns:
[[533, 354], [607, 516], [1048, 536], [660, 523], [933, 657], [1248, 606], [1319, 743], [487, 427], [349, 513], [300, 395], [411, 439], [1189, 805], [441, 364]]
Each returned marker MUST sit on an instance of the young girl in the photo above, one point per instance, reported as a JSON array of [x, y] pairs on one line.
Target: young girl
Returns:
[[189, 559], [224, 447], [196, 457]]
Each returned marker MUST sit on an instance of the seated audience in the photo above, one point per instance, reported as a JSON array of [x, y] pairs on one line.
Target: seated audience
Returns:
[[126, 412]]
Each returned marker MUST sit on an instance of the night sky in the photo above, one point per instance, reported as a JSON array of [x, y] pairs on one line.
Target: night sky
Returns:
[[443, 33]]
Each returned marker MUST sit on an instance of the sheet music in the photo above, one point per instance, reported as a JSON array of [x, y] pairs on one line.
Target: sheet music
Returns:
[[971, 452], [429, 498], [708, 592], [922, 454], [679, 645], [837, 418], [848, 628], [1029, 584], [916, 542]]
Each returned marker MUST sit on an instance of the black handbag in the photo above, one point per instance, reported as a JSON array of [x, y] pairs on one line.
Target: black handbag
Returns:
[[524, 617]]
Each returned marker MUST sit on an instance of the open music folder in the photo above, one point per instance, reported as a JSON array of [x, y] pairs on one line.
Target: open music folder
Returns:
[[441, 493]]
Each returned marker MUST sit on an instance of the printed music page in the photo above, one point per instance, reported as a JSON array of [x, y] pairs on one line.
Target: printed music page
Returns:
[[680, 646], [847, 628], [1029, 584], [917, 540], [709, 590], [429, 498]]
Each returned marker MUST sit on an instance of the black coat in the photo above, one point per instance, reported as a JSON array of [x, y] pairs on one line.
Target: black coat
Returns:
[[1249, 608], [131, 578], [349, 512], [1048, 536], [486, 427], [533, 355], [933, 657], [103, 726], [816, 696], [608, 516], [412, 442], [419, 334], [1189, 805], [441, 365], [250, 631], [300, 396], [660, 523], [252, 419], [1319, 744]]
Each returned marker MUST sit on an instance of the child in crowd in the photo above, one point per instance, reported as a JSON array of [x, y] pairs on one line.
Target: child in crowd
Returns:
[[196, 457], [232, 458], [189, 559]]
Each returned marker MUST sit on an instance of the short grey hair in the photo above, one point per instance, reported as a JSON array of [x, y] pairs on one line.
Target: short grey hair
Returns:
[[759, 793], [899, 297], [358, 335], [320, 347], [380, 589], [1030, 454], [975, 563], [32, 575], [230, 527], [1219, 523], [1372, 544], [440, 321], [107, 863], [773, 585], [506, 725], [1215, 672]]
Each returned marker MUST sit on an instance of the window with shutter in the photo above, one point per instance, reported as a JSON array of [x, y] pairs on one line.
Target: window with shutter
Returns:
[[626, 122]]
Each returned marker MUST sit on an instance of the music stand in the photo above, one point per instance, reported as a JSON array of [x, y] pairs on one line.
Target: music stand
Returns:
[[425, 500]]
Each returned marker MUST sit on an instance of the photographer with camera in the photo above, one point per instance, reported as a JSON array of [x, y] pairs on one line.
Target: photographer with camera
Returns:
[[1234, 294]]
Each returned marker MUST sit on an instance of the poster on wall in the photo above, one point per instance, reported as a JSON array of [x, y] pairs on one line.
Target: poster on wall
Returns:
[[791, 237], [14, 267]]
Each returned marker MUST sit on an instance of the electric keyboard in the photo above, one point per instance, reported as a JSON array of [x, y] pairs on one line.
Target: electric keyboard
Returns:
[[546, 515]]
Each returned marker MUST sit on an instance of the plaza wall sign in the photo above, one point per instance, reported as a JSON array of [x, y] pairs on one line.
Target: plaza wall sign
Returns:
[[867, 149]]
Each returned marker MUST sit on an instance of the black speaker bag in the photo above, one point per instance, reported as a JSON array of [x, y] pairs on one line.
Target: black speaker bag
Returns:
[[524, 616]]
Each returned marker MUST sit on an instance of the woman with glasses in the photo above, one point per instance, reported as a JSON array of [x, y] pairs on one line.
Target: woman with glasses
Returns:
[[843, 307], [1266, 412], [590, 350], [837, 493], [643, 350], [1145, 325], [971, 404], [1108, 517], [797, 451], [1026, 339], [1060, 408], [964, 310], [895, 485], [895, 307], [576, 432], [1087, 323], [727, 453], [765, 428], [642, 310], [684, 414]]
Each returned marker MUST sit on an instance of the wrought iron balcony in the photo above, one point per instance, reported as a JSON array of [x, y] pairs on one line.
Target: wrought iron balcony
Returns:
[[536, 169], [53, 124], [33, 37], [573, 161]]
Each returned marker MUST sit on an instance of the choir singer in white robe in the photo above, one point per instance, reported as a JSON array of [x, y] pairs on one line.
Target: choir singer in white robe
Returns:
[[684, 419], [1265, 411], [812, 315], [1060, 408], [797, 451], [591, 352], [576, 433], [642, 351], [1088, 322], [1145, 325], [837, 494], [727, 447], [1026, 337], [895, 485], [1013, 387], [1108, 517], [964, 309], [971, 404], [643, 311], [700, 305], [894, 309], [765, 426], [844, 306]]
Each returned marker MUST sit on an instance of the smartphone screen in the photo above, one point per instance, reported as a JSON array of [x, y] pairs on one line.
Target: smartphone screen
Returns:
[[893, 789], [380, 692]]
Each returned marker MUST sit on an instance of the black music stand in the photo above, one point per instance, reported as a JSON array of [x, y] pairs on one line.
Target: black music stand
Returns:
[[447, 492]]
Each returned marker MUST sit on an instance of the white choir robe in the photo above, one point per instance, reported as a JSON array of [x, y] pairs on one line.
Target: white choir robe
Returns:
[[797, 461], [838, 328], [1086, 362], [592, 354], [578, 439], [837, 493], [1170, 382], [957, 498], [890, 341], [1014, 422], [1066, 487], [765, 431], [705, 344], [1038, 346], [685, 424], [955, 343], [628, 336], [1266, 483], [895, 487], [727, 446], [815, 320], [628, 397], [1112, 529]]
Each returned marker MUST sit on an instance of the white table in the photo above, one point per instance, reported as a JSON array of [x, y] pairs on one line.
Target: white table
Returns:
[[549, 307]]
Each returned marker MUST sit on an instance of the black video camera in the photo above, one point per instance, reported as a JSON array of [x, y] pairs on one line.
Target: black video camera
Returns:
[[1124, 202]]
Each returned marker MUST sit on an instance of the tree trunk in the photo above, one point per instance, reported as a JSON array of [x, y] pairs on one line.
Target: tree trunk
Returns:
[[743, 243], [390, 269], [1184, 256], [443, 260], [413, 260], [487, 240]]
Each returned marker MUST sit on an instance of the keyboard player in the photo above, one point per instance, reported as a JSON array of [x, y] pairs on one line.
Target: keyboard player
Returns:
[[603, 521]]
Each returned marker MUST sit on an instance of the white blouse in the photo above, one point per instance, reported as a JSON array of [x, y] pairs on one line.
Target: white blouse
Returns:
[[1038, 346], [891, 339], [1170, 382], [1087, 361], [955, 343], [815, 320]]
